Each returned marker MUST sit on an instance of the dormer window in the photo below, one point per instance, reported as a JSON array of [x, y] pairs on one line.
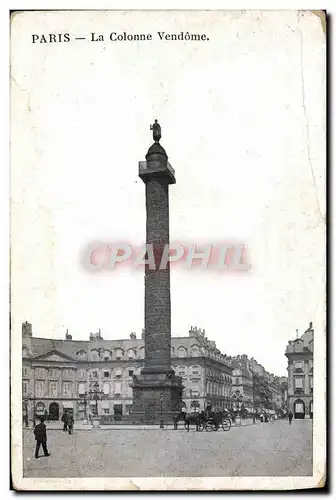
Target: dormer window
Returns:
[[118, 353], [81, 354], [130, 354], [107, 355], [94, 355]]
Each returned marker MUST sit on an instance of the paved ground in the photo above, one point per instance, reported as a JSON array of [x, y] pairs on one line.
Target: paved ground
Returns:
[[276, 449]]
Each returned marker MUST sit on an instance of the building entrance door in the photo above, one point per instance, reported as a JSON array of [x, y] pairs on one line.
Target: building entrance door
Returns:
[[117, 409], [54, 411]]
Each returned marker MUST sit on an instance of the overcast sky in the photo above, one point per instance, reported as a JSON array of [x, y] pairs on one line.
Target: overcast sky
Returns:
[[242, 119]]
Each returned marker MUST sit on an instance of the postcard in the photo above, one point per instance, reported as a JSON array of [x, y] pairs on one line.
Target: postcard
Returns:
[[168, 250]]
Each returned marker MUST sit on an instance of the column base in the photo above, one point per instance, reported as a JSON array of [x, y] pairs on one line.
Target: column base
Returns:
[[148, 391]]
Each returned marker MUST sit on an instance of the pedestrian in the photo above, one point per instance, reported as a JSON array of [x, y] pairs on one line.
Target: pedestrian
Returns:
[[290, 417], [70, 422], [65, 421], [40, 432]]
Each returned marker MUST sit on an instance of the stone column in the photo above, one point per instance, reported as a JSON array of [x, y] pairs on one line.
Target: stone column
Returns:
[[157, 380]]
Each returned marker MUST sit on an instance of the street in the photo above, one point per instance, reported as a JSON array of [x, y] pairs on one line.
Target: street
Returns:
[[276, 449]]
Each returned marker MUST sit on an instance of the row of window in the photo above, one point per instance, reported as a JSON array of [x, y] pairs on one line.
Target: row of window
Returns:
[[132, 353], [218, 389], [54, 389], [106, 354], [98, 354], [80, 373], [106, 373]]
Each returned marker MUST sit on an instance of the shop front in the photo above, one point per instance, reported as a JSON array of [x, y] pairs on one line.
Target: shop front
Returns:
[[299, 409]]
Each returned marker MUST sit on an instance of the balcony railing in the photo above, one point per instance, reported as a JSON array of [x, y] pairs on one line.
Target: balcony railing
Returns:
[[298, 370]]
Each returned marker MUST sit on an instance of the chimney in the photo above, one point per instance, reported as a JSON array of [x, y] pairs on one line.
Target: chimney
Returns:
[[67, 335], [192, 332], [27, 329], [133, 335]]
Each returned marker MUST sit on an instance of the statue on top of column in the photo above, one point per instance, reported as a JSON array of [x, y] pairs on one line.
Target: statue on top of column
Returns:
[[156, 131]]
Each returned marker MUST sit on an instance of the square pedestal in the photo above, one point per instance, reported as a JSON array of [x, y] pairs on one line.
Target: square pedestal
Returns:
[[156, 394]]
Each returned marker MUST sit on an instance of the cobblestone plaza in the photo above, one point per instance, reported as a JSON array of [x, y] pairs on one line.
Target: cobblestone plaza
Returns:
[[276, 449]]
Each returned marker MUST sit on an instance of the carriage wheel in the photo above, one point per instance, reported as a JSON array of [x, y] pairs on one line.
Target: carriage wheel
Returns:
[[201, 426], [209, 426], [226, 424]]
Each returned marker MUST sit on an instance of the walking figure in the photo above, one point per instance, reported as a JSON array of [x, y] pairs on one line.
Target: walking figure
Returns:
[[70, 422], [40, 432], [290, 417], [65, 421]]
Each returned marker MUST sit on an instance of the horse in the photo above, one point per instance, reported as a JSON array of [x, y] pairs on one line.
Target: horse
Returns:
[[198, 419], [181, 415], [189, 418]]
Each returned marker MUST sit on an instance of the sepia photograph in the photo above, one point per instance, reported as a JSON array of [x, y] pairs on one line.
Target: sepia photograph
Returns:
[[168, 250]]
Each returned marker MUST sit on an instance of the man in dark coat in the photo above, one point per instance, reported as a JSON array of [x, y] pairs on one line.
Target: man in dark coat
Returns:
[[65, 421], [290, 417], [40, 432], [70, 422]]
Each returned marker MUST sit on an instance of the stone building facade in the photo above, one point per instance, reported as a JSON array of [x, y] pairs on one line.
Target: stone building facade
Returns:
[[254, 387], [56, 373], [300, 355]]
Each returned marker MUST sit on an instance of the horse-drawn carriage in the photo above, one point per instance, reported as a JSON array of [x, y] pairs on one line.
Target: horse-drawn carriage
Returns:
[[204, 420]]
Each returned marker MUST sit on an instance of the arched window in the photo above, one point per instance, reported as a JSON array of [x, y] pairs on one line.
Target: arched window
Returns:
[[119, 353], [81, 354], [195, 351], [130, 353], [95, 355], [182, 352], [107, 355]]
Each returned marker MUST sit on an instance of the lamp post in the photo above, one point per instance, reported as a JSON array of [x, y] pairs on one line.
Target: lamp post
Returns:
[[96, 395], [161, 416], [85, 400]]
